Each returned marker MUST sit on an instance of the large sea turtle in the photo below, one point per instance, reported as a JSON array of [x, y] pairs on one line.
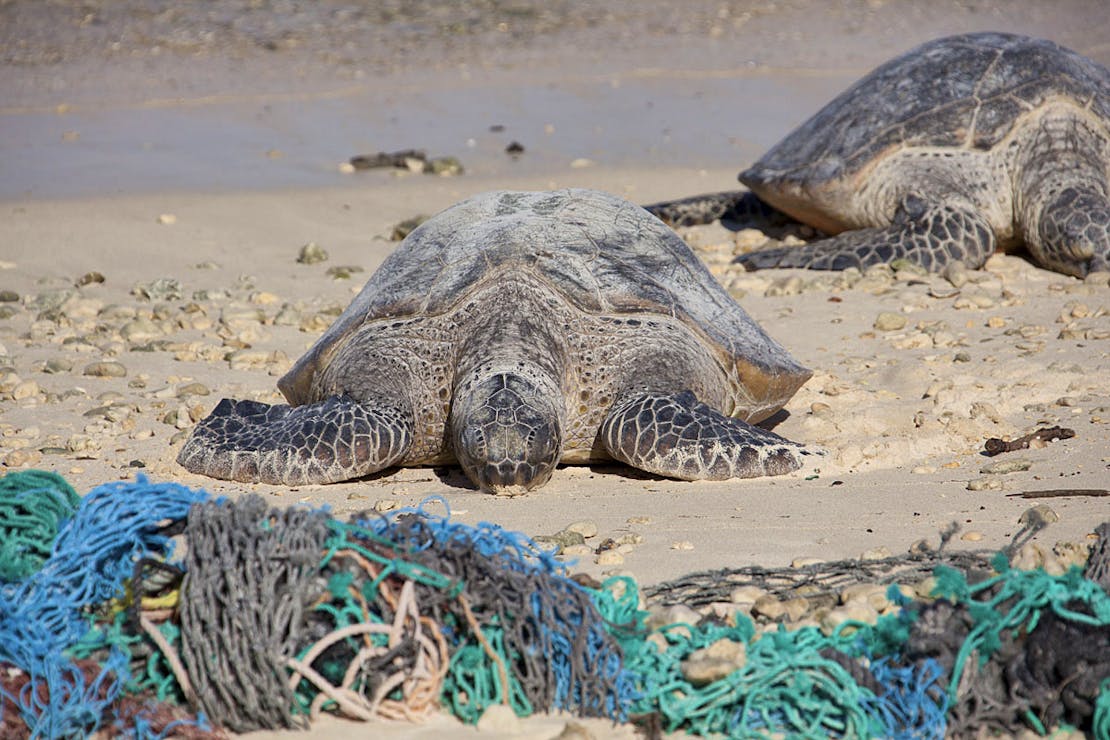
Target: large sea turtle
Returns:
[[958, 147], [513, 331]]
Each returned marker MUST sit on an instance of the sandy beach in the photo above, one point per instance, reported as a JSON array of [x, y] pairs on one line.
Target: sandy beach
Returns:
[[161, 175]]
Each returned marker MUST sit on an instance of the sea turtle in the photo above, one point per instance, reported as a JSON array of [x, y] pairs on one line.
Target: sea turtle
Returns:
[[513, 331], [960, 146]]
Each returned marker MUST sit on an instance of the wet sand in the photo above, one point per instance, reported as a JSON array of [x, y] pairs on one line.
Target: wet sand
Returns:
[[190, 178]]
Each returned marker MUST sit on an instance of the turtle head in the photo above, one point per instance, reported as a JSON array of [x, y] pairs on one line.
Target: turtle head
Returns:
[[1074, 232], [507, 431]]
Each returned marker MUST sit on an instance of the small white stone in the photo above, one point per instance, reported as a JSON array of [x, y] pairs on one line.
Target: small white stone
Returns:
[[890, 321], [803, 562], [499, 719], [585, 527], [714, 662], [610, 557], [875, 553]]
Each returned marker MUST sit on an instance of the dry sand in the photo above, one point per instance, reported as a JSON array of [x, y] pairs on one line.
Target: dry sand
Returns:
[[193, 199]]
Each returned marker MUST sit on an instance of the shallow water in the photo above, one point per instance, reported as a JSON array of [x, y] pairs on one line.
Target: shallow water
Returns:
[[122, 96], [299, 142]]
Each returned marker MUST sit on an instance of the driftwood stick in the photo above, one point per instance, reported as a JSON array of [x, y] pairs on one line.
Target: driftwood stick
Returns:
[[1061, 493], [995, 446]]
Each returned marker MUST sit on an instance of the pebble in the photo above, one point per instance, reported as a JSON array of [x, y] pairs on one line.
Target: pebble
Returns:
[[312, 253], [854, 612], [581, 163], [161, 289], [342, 272], [639, 520], [140, 330], [1039, 515], [562, 539], [746, 595], [83, 446], [25, 389], [714, 662], [443, 166], [768, 606], [9, 296], [574, 731], [245, 359], [105, 370], [1031, 556], [871, 594], [577, 551], [57, 365], [167, 219], [610, 557], [585, 527], [22, 458], [956, 273], [404, 228], [796, 608], [971, 536], [889, 321], [499, 719], [192, 389], [1009, 465], [804, 562], [661, 616], [787, 286], [875, 553], [986, 483], [682, 545]]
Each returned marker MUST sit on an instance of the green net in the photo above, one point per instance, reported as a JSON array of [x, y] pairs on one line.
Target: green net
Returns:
[[33, 505], [780, 681]]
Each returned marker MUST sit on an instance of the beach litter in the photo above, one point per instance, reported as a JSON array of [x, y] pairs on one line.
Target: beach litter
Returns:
[[150, 609]]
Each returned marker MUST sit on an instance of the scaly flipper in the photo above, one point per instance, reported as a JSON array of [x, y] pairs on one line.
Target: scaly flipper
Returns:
[[678, 436], [738, 206], [334, 440], [929, 234]]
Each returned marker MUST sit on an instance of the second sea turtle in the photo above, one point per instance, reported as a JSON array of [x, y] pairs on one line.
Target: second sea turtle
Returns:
[[959, 147]]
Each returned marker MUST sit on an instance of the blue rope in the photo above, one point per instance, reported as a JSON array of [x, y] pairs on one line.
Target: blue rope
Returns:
[[41, 617]]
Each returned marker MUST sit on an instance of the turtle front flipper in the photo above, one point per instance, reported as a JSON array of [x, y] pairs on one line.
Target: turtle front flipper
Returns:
[[929, 234], [334, 440], [677, 436]]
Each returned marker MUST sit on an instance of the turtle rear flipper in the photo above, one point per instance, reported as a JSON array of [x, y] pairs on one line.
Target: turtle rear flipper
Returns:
[[739, 207], [929, 234], [333, 440], [678, 436]]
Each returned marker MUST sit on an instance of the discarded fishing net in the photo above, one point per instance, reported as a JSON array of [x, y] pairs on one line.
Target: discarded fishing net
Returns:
[[159, 609], [1011, 649], [250, 576], [821, 583], [523, 633]]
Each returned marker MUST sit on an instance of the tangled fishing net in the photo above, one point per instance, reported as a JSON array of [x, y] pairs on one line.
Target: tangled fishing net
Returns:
[[153, 610]]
